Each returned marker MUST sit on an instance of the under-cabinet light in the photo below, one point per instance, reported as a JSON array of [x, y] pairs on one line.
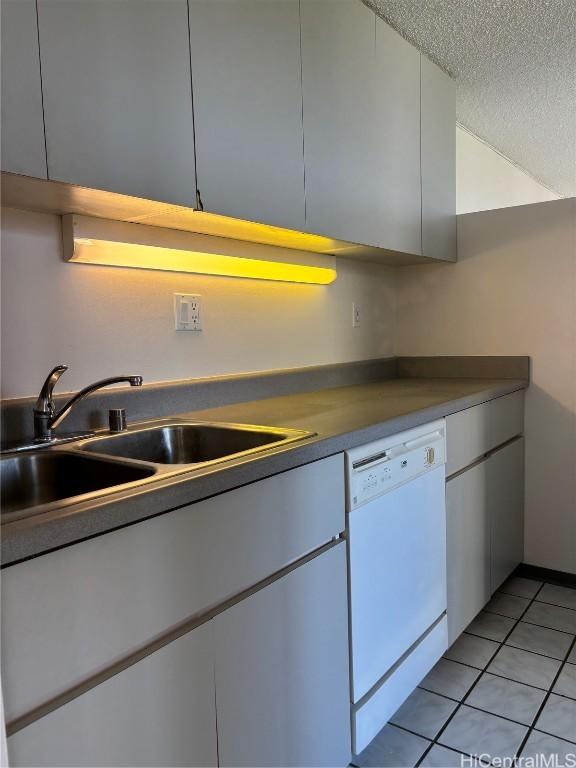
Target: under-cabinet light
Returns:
[[91, 240]]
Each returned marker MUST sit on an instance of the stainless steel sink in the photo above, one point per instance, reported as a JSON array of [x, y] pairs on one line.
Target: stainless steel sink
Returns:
[[191, 443], [30, 480], [40, 479]]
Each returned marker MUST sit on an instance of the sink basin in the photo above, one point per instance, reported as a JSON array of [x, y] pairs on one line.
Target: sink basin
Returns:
[[29, 480], [190, 443]]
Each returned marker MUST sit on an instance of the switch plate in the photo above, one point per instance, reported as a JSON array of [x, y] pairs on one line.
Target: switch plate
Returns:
[[187, 312], [355, 315]]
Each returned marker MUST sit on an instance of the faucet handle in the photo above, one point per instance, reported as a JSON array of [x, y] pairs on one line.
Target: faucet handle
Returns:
[[45, 403]]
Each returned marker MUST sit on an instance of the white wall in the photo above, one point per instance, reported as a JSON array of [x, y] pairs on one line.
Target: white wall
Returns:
[[103, 321], [486, 179], [513, 292]]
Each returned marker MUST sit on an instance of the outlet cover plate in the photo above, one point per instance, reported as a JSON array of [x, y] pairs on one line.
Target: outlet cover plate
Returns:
[[187, 312]]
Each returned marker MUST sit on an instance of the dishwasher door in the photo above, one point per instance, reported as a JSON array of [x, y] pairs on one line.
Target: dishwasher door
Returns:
[[397, 560]]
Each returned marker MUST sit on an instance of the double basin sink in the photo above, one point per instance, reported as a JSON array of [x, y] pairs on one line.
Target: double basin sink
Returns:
[[37, 481]]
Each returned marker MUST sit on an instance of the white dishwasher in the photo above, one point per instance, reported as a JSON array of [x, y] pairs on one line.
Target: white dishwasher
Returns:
[[397, 571]]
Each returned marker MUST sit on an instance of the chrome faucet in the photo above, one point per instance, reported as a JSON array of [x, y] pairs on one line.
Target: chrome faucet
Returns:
[[45, 417]]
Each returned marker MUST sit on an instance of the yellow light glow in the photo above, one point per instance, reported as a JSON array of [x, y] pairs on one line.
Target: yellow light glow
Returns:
[[118, 254]]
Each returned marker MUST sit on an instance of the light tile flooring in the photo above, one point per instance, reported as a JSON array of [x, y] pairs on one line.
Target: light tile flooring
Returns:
[[507, 687]]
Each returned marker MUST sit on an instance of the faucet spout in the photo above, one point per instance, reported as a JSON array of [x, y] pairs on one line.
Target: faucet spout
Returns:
[[45, 402], [45, 417]]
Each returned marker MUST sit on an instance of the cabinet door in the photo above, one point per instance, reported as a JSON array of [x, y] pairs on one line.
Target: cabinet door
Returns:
[[23, 148], [361, 101], [282, 686], [118, 97], [397, 160], [438, 116], [339, 107], [248, 109], [505, 473], [467, 547], [160, 711]]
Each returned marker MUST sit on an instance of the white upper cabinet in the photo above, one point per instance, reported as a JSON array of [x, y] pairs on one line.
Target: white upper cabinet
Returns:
[[311, 115], [361, 92], [23, 149], [438, 162], [397, 159], [117, 96], [248, 109], [339, 107]]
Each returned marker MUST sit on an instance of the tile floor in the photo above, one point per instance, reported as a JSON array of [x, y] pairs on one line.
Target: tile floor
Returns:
[[506, 687]]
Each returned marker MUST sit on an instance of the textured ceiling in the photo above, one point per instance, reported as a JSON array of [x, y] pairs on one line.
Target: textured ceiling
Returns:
[[514, 62]]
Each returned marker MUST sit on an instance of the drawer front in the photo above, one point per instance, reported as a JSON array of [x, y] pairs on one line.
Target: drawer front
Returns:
[[71, 613], [475, 431]]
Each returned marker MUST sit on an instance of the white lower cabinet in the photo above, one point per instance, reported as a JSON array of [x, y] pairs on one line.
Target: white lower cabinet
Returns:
[[72, 613], [467, 548], [505, 475], [282, 687], [160, 711], [272, 670], [485, 531]]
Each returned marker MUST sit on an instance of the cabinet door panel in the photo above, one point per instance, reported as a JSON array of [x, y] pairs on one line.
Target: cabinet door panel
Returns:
[[248, 109], [505, 473], [397, 160], [282, 686], [159, 711], [23, 148], [340, 135], [438, 117], [118, 97], [468, 547]]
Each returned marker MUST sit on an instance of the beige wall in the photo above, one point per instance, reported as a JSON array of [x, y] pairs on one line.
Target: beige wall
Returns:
[[103, 321], [513, 292], [486, 179]]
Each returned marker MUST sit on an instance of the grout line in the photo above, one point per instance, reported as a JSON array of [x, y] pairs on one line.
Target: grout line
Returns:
[[473, 706], [547, 733], [518, 647], [513, 594], [494, 674], [408, 730], [497, 613], [483, 637], [551, 629], [536, 653], [545, 627], [556, 605]]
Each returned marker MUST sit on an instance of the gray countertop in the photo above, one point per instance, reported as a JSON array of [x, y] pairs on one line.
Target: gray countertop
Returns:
[[342, 417]]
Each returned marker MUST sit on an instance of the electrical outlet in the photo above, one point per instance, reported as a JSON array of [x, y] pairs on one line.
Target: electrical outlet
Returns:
[[355, 315], [187, 312]]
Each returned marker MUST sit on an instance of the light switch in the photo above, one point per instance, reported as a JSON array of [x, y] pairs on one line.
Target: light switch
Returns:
[[187, 312]]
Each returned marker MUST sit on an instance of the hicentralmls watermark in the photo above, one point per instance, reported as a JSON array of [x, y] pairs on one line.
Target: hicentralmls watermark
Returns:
[[539, 760]]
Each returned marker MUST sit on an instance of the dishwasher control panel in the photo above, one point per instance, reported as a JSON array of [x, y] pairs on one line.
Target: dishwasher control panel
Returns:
[[379, 467]]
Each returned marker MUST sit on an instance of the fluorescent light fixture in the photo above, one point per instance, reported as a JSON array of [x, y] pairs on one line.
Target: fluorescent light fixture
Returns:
[[91, 240]]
